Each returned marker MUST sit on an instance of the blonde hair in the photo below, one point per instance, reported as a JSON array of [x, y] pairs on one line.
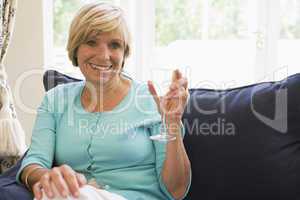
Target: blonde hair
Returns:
[[96, 18]]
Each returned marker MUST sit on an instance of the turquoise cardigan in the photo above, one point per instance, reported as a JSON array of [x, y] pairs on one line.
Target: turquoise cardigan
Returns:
[[111, 147]]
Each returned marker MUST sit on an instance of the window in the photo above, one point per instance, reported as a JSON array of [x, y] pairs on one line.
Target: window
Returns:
[[210, 40], [216, 43], [289, 41]]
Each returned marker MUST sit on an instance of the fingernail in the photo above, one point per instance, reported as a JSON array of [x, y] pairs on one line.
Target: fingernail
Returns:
[[83, 179], [64, 193], [50, 195], [76, 194]]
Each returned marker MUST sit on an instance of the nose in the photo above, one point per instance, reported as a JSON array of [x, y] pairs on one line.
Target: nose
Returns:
[[103, 52]]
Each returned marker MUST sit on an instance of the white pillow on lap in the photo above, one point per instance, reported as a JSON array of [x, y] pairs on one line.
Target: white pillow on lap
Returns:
[[87, 192]]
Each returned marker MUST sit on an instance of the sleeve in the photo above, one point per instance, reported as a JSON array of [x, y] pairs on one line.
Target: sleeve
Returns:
[[41, 150], [160, 151]]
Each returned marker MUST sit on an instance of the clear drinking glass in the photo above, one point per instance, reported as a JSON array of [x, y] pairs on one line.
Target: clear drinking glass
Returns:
[[164, 136], [162, 87]]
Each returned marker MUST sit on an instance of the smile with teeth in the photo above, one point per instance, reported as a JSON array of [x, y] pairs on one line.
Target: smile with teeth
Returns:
[[100, 67]]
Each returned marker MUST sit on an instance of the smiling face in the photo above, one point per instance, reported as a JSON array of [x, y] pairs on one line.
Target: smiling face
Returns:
[[101, 56]]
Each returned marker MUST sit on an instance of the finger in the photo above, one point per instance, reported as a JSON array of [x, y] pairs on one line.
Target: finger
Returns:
[[154, 93], [182, 82], [71, 180], [59, 182], [185, 83], [171, 94], [176, 75], [177, 98], [81, 179], [173, 86], [178, 93], [37, 191], [45, 183]]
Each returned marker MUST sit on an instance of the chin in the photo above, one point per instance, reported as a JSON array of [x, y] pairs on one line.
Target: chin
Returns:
[[100, 80]]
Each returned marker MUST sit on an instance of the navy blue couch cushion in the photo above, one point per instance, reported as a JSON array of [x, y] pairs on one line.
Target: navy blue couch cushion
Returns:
[[52, 78], [244, 143], [9, 189]]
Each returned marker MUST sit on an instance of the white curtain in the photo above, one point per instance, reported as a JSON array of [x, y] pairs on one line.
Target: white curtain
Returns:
[[12, 137]]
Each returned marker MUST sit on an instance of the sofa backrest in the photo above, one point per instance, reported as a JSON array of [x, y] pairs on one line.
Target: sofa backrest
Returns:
[[244, 143]]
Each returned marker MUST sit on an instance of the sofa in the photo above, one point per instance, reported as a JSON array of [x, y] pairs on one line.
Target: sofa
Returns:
[[243, 143]]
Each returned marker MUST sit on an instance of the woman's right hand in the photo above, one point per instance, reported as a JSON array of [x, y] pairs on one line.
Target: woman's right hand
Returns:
[[64, 178]]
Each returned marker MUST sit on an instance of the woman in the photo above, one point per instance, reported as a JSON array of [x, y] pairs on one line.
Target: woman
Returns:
[[99, 129]]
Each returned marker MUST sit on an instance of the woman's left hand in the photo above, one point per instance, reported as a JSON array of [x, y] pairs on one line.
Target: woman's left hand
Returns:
[[173, 103]]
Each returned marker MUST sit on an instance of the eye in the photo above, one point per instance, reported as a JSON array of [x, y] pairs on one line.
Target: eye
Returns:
[[91, 43], [115, 45]]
